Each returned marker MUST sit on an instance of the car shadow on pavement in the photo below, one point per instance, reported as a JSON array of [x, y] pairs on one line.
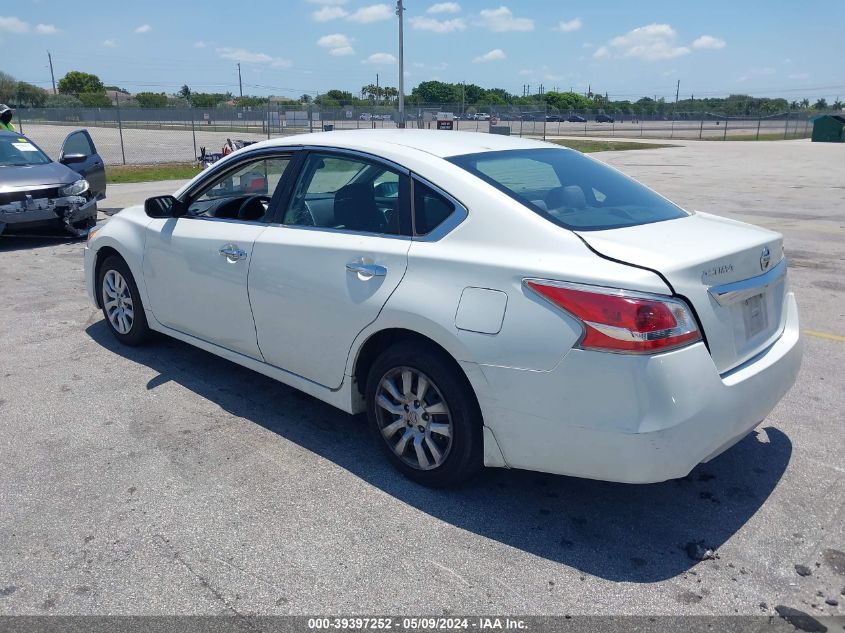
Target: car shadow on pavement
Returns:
[[631, 533], [12, 242]]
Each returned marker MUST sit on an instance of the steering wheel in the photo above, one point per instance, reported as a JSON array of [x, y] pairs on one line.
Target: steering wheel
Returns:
[[249, 203]]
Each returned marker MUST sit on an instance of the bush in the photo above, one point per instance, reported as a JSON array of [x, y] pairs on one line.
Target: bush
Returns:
[[63, 101]]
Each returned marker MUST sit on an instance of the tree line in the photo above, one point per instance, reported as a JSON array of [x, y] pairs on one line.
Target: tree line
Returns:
[[80, 89]]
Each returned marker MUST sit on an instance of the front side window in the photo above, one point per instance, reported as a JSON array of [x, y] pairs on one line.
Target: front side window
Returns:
[[569, 189], [242, 194], [349, 193], [78, 143]]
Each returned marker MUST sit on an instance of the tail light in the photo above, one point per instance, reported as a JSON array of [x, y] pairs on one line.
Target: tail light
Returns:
[[621, 320]]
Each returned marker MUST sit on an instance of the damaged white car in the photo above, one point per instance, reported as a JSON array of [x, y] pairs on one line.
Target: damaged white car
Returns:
[[37, 192]]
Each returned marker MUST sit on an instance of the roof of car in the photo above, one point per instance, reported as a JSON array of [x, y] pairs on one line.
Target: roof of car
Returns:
[[440, 143]]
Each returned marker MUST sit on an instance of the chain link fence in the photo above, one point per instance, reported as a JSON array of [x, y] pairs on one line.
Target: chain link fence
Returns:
[[158, 135]]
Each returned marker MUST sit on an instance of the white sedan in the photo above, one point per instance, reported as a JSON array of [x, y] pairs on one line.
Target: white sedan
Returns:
[[486, 300]]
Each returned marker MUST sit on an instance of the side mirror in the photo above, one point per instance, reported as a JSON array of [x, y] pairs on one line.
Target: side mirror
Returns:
[[164, 207], [73, 158], [387, 190]]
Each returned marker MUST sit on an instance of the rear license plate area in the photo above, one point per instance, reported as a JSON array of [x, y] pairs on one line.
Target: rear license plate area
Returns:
[[755, 315]]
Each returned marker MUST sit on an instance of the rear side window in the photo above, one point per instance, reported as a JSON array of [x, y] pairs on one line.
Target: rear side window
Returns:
[[430, 208], [351, 194], [569, 189]]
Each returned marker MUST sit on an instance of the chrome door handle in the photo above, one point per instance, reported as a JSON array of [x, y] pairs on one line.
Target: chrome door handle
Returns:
[[367, 271], [232, 253]]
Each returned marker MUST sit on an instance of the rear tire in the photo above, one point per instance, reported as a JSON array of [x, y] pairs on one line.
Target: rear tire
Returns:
[[424, 414], [121, 301]]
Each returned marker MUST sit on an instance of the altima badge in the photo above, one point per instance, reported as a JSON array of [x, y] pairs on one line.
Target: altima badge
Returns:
[[765, 259]]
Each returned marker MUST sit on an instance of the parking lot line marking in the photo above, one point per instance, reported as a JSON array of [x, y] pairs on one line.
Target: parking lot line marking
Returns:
[[832, 337]]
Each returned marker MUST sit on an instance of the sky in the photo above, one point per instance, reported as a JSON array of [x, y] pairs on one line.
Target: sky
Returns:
[[290, 47]]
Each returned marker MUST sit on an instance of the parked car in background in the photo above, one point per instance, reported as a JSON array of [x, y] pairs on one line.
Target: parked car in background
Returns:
[[482, 116], [576, 118], [604, 118], [554, 118], [487, 300], [36, 191], [365, 116]]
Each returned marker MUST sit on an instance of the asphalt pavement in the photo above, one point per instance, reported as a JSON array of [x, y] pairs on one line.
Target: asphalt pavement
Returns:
[[163, 479]]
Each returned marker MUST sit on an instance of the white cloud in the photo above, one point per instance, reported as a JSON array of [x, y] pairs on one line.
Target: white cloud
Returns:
[[567, 26], [251, 57], [327, 14], [444, 7], [380, 58], [338, 44], [526, 72], [144, 28], [335, 40], [650, 43], [109, 43], [587, 45], [708, 41], [502, 19], [12, 24], [799, 76], [372, 13], [423, 23], [199, 44], [46, 29], [328, 2], [495, 55]]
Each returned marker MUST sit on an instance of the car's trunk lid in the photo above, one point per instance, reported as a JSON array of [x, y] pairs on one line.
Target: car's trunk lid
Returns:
[[730, 272]]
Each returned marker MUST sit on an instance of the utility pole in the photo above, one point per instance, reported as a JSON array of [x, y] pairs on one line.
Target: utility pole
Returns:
[[52, 76], [400, 10], [377, 90], [240, 83]]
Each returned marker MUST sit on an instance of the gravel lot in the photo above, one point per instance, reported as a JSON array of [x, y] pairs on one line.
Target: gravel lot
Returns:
[[163, 479]]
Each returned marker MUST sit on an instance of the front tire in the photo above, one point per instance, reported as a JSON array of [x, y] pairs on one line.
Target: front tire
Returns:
[[423, 411], [121, 302]]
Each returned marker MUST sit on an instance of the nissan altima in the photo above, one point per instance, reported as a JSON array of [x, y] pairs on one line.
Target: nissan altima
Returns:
[[486, 300]]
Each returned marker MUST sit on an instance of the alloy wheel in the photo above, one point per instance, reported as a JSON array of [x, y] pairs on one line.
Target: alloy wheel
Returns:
[[414, 418], [117, 301]]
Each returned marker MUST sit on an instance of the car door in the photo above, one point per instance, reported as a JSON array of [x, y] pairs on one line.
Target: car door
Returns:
[[196, 266], [325, 271], [80, 154]]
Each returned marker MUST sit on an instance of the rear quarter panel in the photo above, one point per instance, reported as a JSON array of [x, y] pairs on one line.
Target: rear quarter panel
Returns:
[[499, 244]]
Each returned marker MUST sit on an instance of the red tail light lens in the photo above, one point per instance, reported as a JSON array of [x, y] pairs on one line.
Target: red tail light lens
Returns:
[[620, 320]]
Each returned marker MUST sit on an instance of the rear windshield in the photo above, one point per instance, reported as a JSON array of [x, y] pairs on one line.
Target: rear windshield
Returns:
[[17, 151], [569, 189]]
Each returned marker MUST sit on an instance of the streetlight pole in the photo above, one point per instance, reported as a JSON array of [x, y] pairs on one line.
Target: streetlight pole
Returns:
[[400, 10], [240, 83]]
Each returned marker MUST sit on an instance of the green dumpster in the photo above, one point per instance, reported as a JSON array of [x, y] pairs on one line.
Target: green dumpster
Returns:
[[829, 128]]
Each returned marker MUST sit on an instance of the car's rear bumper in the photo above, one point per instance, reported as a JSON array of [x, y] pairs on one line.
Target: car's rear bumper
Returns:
[[634, 419]]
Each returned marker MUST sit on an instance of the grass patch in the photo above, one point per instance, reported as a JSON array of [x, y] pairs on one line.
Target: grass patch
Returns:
[[144, 173], [607, 146]]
